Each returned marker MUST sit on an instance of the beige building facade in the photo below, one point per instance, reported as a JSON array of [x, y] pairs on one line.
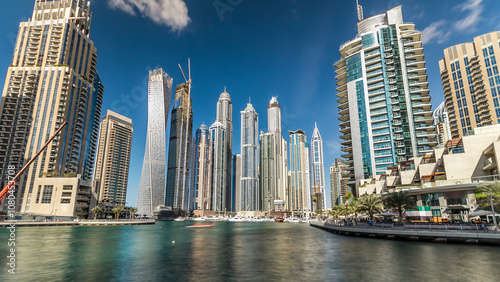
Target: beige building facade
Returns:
[[113, 158], [52, 78], [63, 196], [471, 83]]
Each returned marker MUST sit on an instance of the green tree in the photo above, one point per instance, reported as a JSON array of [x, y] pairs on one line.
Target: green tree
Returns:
[[400, 201], [133, 211], [482, 198], [370, 204], [117, 211], [97, 210], [336, 211]]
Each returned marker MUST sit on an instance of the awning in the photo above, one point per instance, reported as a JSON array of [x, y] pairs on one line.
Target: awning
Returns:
[[479, 213], [457, 208], [387, 214]]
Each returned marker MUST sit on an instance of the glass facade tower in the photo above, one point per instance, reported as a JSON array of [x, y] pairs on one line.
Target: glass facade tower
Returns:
[[152, 183], [383, 97], [249, 176], [178, 195]]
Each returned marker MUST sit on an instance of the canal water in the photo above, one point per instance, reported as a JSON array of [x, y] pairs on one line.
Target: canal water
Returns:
[[235, 251]]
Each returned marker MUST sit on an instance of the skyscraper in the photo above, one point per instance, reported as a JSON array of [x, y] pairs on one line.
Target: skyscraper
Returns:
[[113, 158], [273, 161], [300, 186], [318, 167], [152, 183], [221, 133], [201, 171], [384, 104], [442, 124], [179, 150], [52, 78], [471, 83], [338, 183], [237, 183], [249, 188]]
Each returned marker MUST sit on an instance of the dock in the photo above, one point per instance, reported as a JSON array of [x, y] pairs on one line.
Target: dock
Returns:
[[460, 234], [77, 223]]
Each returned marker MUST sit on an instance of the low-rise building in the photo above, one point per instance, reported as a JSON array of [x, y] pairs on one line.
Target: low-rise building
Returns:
[[443, 181], [63, 196]]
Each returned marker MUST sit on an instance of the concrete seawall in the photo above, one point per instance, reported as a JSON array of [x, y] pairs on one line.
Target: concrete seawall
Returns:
[[424, 235], [75, 223]]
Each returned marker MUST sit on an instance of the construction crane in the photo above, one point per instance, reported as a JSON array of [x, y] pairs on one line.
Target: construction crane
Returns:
[[13, 182]]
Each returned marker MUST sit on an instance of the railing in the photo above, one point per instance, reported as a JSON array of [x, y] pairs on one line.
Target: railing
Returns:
[[431, 227]]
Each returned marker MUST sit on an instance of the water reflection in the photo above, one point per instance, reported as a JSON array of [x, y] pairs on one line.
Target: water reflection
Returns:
[[236, 251]]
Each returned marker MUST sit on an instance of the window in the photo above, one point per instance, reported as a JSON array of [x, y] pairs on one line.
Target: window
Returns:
[[457, 65], [68, 187], [456, 201], [490, 48], [457, 93], [489, 72], [461, 83], [459, 73], [459, 102], [65, 201], [47, 194], [466, 111], [467, 121], [466, 61], [495, 70], [485, 52], [38, 194], [464, 101], [454, 76], [495, 101], [430, 199], [493, 60], [66, 194], [452, 67], [487, 62]]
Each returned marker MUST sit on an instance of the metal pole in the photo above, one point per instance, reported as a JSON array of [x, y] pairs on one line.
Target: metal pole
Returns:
[[493, 211]]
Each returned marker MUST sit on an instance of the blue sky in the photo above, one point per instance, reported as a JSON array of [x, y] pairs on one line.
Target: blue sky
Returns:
[[256, 48]]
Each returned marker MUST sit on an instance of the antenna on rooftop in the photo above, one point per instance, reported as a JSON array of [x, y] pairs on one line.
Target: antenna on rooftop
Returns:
[[360, 11]]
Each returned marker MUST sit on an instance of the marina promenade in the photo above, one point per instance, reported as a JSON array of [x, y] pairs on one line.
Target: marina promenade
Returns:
[[439, 233], [26, 223]]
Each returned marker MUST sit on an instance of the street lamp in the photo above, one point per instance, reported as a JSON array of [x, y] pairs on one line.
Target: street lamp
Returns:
[[493, 211]]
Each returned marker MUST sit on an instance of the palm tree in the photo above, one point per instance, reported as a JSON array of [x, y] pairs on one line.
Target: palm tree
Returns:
[[370, 204], [97, 210], [133, 211], [117, 211], [355, 208], [336, 211], [400, 201]]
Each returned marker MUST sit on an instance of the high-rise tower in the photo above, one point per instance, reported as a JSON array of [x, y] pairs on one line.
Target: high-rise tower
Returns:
[[384, 104], [201, 181], [273, 162], [249, 188], [300, 186], [152, 184], [318, 169], [113, 158], [179, 150], [471, 83], [52, 78], [442, 124], [222, 139]]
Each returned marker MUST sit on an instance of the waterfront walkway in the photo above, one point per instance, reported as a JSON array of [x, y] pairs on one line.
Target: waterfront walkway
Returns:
[[445, 233], [108, 222]]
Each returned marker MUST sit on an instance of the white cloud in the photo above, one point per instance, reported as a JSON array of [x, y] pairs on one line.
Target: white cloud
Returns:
[[469, 22], [171, 13], [438, 32]]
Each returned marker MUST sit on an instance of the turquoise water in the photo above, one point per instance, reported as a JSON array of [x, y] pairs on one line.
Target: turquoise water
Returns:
[[235, 251]]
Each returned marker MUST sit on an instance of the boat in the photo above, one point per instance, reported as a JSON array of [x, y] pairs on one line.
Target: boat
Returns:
[[236, 219], [279, 219], [200, 225], [180, 219], [200, 219]]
